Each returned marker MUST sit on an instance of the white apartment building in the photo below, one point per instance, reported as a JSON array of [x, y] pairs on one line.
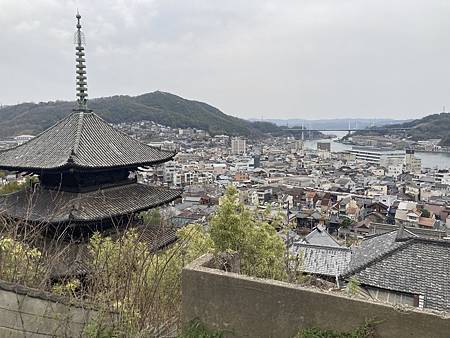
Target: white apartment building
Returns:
[[381, 157], [238, 146], [412, 163], [442, 176], [244, 165], [394, 170]]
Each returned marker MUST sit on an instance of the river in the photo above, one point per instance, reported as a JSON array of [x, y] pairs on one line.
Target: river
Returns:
[[429, 160]]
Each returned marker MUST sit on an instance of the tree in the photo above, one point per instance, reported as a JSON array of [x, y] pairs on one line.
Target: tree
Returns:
[[144, 287], [151, 217], [14, 186], [11, 187], [234, 228], [346, 223], [425, 213], [20, 263]]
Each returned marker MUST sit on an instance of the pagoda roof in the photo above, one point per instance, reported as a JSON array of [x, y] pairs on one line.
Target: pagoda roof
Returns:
[[41, 205], [81, 141]]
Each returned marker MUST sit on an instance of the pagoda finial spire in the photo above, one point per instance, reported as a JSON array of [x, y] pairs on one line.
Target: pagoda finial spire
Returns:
[[81, 67]]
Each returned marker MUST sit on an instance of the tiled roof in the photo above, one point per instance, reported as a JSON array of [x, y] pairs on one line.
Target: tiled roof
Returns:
[[322, 260], [427, 222], [73, 261], [81, 140], [401, 261], [320, 237], [372, 249], [157, 237], [381, 228], [321, 254], [44, 205], [420, 267]]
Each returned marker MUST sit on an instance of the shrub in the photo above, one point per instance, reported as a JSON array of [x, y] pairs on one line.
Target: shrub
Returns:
[[142, 286], [20, 263], [196, 329], [234, 228]]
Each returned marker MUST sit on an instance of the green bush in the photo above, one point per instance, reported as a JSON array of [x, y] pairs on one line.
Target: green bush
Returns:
[[234, 228], [364, 331], [142, 286], [10, 187], [196, 329], [20, 263]]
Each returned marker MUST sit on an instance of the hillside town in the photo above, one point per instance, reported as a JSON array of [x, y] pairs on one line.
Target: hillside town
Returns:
[[222, 227], [334, 202], [321, 188]]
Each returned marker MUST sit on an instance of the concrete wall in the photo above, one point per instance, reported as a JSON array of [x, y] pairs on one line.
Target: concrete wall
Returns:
[[27, 312], [252, 307]]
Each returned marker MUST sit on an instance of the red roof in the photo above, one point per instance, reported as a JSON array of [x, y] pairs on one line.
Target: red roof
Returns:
[[427, 222]]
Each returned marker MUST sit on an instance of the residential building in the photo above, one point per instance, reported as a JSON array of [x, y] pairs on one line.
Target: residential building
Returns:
[[376, 155], [238, 146]]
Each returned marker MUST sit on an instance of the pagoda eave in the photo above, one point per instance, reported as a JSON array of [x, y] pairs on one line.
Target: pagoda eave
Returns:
[[82, 141], [68, 167], [40, 205]]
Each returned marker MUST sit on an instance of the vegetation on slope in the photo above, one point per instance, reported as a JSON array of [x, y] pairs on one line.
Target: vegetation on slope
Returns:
[[197, 329], [433, 126], [365, 331], [160, 107], [14, 186], [429, 127], [141, 286]]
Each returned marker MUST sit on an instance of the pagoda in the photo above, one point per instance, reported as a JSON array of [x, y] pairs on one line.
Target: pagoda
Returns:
[[85, 168]]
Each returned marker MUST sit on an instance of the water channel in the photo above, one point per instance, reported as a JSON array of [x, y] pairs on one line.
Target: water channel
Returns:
[[429, 160]]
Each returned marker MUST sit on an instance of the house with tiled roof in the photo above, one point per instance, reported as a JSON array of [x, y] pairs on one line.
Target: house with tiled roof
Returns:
[[400, 267], [327, 262], [409, 214], [382, 228], [320, 237], [321, 255]]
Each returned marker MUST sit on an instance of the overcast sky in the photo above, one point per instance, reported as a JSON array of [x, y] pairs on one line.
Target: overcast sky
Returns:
[[250, 58]]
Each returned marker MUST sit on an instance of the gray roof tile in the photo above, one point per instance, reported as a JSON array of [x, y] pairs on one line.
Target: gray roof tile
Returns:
[[320, 237], [420, 267], [44, 205], [322, 260], [401, 261], [82, 140]]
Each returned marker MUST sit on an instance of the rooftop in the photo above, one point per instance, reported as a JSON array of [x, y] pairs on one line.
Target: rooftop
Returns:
[[403, 262], [81, 141], [54, 206]]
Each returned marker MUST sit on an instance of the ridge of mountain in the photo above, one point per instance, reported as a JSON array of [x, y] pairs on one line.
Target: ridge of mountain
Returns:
[[160, 107], [434, 126]]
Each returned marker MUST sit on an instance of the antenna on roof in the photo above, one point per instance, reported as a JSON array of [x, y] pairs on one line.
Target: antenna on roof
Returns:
[[81, 67]]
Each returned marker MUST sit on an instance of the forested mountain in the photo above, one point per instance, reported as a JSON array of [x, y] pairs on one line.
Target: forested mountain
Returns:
[[430, 127], [160, 107]]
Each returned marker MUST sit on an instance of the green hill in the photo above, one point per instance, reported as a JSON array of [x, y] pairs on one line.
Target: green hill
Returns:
[[435, 126], [430, 127], [160, 107]]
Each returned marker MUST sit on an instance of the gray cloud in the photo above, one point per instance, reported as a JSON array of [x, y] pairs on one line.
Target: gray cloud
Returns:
[[285, 58]]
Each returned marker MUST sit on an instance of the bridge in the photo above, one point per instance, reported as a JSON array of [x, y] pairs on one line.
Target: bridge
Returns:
[[307, 132], [348, 130]]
